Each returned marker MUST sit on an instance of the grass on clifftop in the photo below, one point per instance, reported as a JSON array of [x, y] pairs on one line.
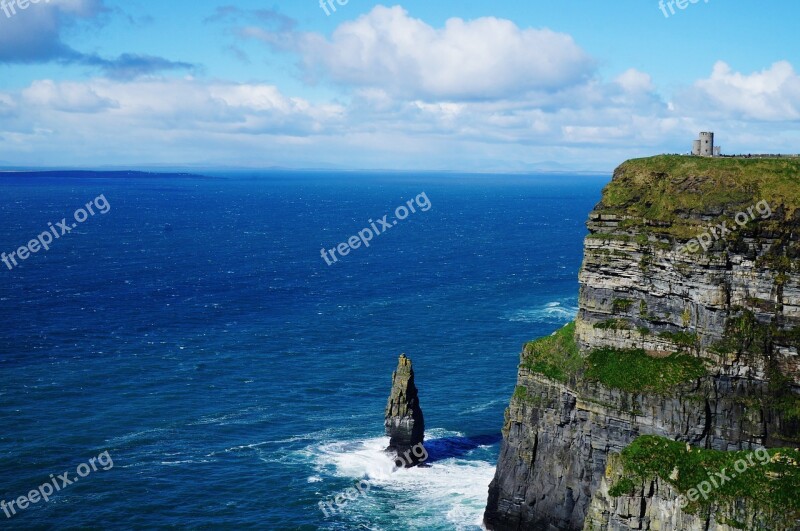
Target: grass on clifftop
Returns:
[[554, 356], [659, 188], [771, 484], [557, 357]]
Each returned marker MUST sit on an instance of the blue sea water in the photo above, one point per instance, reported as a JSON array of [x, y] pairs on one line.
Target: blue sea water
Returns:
[[236, 380]]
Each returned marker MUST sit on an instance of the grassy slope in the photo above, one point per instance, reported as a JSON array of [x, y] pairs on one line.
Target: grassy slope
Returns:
[[632, 370], [557, 357], [662, 188]]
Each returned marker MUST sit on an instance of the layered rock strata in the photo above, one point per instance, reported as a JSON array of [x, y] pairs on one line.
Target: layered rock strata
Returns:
[[734, 306]]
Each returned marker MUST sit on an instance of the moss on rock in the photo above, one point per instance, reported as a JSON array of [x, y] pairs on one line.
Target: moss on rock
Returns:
[[767, 480], [634, 371]]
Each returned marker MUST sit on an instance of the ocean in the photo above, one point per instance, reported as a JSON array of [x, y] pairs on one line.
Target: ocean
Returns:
[[236, 380]]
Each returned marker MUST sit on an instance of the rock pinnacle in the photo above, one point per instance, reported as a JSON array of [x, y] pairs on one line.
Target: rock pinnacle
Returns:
[[404, 422]]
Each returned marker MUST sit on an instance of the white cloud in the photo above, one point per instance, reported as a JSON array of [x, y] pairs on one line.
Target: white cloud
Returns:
[[485, 58], [103, 121], [67, 97], [187, 120], [772, 94], [634, 81], [7, 105]]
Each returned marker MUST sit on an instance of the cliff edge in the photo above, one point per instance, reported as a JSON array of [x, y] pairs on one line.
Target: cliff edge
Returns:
[[682, 362]]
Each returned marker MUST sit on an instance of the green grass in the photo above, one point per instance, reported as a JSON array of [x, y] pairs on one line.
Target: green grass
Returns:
[[520, 392], [658, 188], [769, 486], [554, 356], [622, 487], [621, 305], [789, 405], [683, 339], [745, 334], [557, 357], [632, 370]]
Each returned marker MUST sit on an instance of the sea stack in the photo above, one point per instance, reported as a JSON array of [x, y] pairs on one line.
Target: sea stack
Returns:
[[404, 423]]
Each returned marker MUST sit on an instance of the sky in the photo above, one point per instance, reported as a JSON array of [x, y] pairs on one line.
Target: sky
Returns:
[[420, 85]]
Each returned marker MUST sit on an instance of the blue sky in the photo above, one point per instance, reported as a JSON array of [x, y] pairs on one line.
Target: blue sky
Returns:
[[445, 85]]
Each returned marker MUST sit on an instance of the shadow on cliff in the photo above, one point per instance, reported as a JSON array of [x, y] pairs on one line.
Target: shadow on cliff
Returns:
[[449, 447]]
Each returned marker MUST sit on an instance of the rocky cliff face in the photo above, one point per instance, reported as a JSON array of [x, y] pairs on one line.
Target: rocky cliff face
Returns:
[[694, 343], [404, 422]]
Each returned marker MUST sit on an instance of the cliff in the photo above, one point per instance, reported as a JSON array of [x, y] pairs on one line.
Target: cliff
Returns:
[[683, 360]]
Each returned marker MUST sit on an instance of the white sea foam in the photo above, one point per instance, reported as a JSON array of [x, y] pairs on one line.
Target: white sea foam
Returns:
[[135, 436], [553, 312], [187, 462], [487, 405], [451, 489], [243, 416]]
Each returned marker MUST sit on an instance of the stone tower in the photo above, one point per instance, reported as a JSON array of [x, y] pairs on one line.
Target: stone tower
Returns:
[[707, 144], [704, 146]]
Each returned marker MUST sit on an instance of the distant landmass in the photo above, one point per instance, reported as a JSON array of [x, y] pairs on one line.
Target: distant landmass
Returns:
[[85, 174]]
